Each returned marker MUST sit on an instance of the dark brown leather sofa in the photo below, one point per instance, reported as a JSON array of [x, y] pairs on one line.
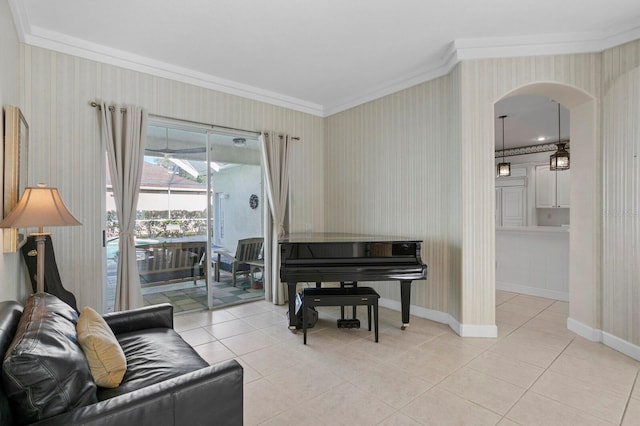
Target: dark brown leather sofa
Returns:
[[46, 381]]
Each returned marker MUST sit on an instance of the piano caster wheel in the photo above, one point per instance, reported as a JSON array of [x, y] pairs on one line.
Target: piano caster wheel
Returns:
[[404, 326]]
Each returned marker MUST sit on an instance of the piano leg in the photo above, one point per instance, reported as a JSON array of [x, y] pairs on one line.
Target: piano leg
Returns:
[[405, 300], [291, 291]]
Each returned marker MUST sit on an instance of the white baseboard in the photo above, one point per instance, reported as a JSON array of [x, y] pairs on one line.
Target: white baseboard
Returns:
[[629, 349], [583, 330], [605, 338], [533, 291], [472, 330], [463, 330]]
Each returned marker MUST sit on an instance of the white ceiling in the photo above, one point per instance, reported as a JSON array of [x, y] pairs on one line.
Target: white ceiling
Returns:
[[530, 118], [318, 56]]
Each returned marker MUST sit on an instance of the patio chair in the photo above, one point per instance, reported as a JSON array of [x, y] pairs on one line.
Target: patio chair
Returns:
[[248, 250], [163, 263]]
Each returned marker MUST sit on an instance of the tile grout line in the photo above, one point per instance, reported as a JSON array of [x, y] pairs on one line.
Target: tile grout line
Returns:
[[475, 357], [466, 364], [626, 405], [483, 351], [504, 416], [527, 390]]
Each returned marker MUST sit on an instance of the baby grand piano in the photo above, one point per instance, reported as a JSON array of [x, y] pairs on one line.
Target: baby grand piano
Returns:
[[349, 258]]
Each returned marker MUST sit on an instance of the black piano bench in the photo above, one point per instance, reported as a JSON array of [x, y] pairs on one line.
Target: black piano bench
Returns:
[[349, 296]]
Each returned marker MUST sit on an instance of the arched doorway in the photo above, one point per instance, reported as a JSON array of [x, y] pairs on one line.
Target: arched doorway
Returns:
[[585, 199], [532, 201]]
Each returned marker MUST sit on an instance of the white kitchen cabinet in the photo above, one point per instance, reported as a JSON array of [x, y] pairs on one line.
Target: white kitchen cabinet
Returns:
[[545, 187], [552, 188], [498, 207], [511, 206], [562, 188]]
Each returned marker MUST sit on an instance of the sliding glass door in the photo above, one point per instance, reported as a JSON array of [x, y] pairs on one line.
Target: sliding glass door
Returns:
[[199, 197]]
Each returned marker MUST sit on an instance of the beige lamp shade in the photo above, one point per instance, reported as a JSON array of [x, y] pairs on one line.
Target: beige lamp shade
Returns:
[[39, 206]]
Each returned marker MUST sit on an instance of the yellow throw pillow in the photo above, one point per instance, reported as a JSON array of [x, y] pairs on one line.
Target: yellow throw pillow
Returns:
[[104, 354]]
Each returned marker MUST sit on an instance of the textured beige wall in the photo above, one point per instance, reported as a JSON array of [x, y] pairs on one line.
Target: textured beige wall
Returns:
[[66, 148], [9, 60], [13, 285], [453, 191], [621, 200], [585, 216], [440, 136], [386, 175]]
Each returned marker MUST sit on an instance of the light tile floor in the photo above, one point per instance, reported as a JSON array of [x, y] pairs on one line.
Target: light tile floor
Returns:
[[535, 373]]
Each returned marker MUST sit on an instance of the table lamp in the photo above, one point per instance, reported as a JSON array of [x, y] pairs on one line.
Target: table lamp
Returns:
[[39, 207]]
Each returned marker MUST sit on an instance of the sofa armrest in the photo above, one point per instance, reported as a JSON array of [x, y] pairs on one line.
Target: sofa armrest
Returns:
[[155, 316], [211, 395]]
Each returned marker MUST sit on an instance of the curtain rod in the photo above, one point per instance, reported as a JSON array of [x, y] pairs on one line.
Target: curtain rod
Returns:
[[213, 126], [111, 108]]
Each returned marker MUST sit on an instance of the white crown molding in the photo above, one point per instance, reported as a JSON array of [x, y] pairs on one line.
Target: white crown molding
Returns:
[[20, 19], [546, 44], [458, 50], [43, 38], [486, 48], [391, 87]]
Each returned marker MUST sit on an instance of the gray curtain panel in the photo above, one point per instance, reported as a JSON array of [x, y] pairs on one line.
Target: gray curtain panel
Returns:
[[275, 160], [124, 129]]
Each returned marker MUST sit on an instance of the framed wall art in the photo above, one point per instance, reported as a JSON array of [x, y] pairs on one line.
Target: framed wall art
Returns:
[[16, 142]]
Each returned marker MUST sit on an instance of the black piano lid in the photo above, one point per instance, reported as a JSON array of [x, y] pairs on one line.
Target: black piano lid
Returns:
[[333, 248], [332, 257], [335, 237]]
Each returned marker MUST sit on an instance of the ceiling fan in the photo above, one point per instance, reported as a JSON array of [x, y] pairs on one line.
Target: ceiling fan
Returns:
[[169, 151]]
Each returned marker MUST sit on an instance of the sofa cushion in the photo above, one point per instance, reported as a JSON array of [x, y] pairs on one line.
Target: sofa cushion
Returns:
[[104, 354], [45, 371], [153, 355]]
